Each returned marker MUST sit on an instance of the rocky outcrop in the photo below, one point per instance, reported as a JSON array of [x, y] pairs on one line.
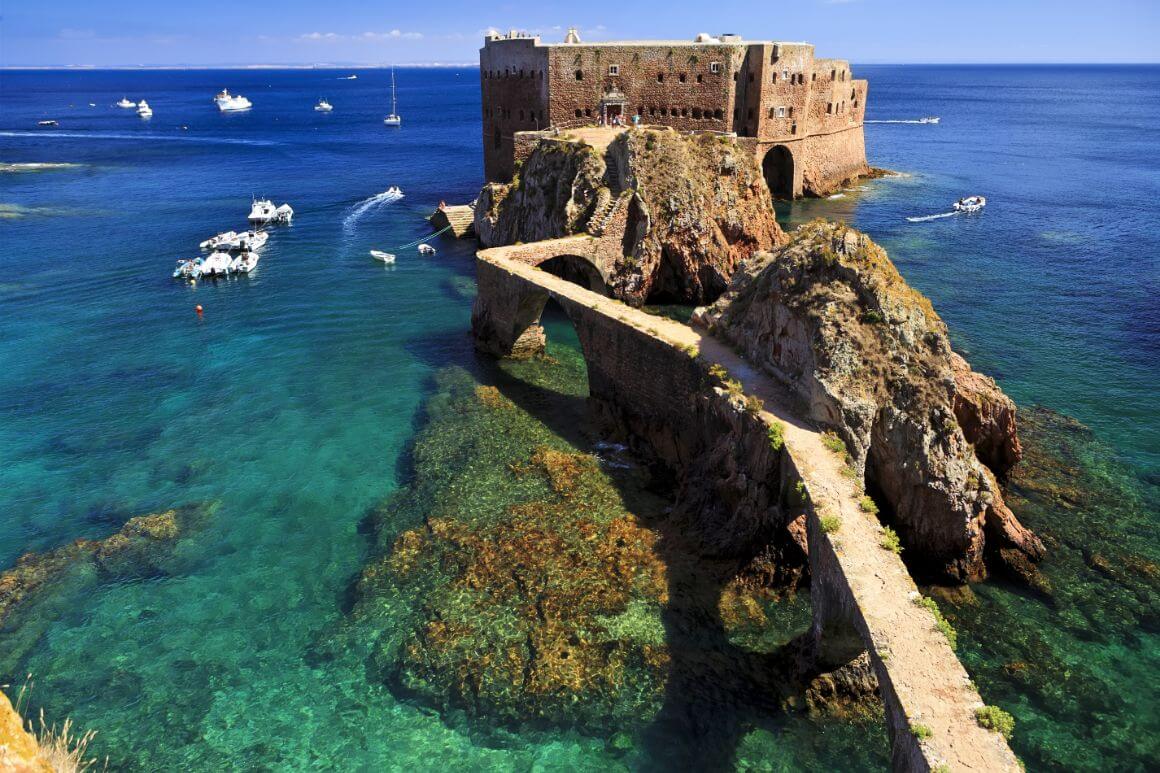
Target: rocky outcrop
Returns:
[[692, 207], [830, 316], [19, 750]]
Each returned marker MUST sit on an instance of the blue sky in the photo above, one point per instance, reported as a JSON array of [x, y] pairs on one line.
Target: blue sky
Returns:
[[215, 32]]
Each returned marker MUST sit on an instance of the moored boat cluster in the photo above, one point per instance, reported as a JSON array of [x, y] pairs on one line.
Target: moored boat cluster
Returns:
[[233, 252]]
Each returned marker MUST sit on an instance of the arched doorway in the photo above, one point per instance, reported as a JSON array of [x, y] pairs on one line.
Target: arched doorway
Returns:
[[576, 270], [777, 168]]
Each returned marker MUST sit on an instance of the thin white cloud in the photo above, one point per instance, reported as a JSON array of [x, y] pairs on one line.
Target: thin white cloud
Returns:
[[334, 37]]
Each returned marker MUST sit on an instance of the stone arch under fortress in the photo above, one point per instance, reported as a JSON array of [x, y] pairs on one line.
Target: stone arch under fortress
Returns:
[[779, 169]]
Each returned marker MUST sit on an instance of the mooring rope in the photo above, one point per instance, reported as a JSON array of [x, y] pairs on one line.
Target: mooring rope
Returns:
[[425, 238]]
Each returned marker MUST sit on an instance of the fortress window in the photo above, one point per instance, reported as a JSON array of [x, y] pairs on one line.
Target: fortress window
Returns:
[[714, 67], [773, 78], [700, 78], [579, 75], [770, 112], [781, 112], [814, 78], [718, 114], [833, 74], [735, 74], [830, 107], [521, 72], [791, 111], [793, 129], [684, 112], [696, 112], [681, 77], [785, 74], [853, 93], [660, 77], [579, 112], [614, 69], [652, 111], [673, 112]]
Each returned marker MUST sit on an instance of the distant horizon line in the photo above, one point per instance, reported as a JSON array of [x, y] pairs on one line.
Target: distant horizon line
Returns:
[[475, 65]]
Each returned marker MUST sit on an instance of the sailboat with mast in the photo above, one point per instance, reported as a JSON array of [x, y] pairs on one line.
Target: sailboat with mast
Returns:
[[394, 119]]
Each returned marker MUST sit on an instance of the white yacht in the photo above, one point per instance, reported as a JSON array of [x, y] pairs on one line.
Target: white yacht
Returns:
[[264, 211], [144, 110], [323, 106], [394, 119], [929, 119], [127, 103], [229, 103], [383, 257], [231, 241], [49, 123], [426, 249], [214, 242], [217, 264], [245, 263], [970, 204]]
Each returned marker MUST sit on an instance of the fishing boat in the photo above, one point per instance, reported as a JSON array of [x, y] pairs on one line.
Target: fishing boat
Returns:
[[245, 263], [383, 257], [230, 103], [264, 211], [127, 103], [394, 119], [49, 122], [426, 249], [323, 106], [188, 269], [217, 264], [970, 204], [144, 110]]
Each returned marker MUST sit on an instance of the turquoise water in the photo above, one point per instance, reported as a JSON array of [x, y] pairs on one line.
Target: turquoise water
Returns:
[[294, 401]]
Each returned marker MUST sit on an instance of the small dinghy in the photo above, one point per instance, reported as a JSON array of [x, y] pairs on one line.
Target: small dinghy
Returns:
[[188, 269], [323, 106], [426, 249], [970, 204], [126, 103], [49, 122], [383, 257]]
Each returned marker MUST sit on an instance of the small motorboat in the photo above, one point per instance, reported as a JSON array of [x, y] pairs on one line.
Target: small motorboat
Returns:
[[236, 242], [144, 110], [215, 242], [349, 78], [383, 257], [264, 211], [92, 104], [127, 103], [217, 264], [323, 106], [970, 204], [426, 249], [230, 103], [188, 269], [49, 122], [929, 119], [245, 263], [394, 191]]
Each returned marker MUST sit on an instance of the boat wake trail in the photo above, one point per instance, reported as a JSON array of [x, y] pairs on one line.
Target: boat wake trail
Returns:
[[366, 205], [903, 120], [924, 218]]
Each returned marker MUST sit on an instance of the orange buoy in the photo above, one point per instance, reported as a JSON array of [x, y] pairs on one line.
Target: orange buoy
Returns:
[[197, 308]]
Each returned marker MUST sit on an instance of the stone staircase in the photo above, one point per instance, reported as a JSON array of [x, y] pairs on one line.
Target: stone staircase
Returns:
[[606, 206], [460, 218]]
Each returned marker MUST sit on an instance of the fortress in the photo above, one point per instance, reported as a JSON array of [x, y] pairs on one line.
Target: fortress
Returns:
[[801, 116]]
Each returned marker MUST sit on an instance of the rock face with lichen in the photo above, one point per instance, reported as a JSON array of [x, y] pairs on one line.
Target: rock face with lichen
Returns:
[[691, 209], [829, 315]]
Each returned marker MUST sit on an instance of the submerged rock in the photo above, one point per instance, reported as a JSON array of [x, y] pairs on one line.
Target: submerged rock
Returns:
[[831, 317], [692, 209]]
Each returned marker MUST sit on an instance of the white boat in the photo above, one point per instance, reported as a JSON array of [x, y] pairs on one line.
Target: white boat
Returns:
[[188, 269], [264, 211], [127, 103], [384, 257], [217, 264], [349, 78], [394, 192], [229, 103], [970, 204], [49, 122], [214, 242], [144, 110], [929, 119], [323, 106], [245, 263], [426, 249], [394, 119]]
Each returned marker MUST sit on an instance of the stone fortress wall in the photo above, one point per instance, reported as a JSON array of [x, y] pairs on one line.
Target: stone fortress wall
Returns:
[[805, 114]]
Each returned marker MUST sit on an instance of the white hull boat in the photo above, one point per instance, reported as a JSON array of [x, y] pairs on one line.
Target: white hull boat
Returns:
[[426, 249], [49, 123], [383, 257], [323, 106], [215, 242], [231, 103], [929, 119], [236, 242], [217, 264], [188, 269], [264, 211], [394, 119], [144, 110], [127, 103], [970, 204], [245, 263]]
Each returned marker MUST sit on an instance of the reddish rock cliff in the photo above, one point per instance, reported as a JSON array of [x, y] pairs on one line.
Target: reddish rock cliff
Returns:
[[830, 316], [693, 208]]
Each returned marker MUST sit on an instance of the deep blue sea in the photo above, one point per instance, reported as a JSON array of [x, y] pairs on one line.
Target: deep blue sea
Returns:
[[293, 399]]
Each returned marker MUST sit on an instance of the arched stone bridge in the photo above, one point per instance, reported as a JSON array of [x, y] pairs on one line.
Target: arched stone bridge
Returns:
[[641, 369]]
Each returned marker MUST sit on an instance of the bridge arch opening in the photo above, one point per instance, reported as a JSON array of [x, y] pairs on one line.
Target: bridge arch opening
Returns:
[[778, 169], [578, 271]]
